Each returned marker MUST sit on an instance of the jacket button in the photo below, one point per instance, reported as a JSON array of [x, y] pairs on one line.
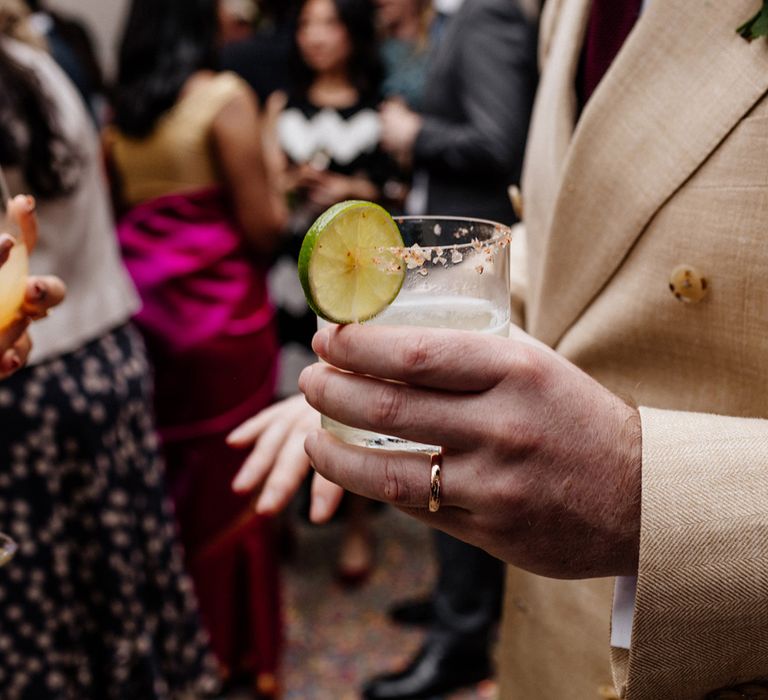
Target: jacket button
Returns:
[[687, 284]]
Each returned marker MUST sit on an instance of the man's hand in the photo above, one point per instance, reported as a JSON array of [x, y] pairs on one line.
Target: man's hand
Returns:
[[278, 463], [42, 292], [541, 464]]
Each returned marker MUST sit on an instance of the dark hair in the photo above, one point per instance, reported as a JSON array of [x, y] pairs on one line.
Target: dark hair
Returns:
[[30, 136], [365, 69], [164, 42]]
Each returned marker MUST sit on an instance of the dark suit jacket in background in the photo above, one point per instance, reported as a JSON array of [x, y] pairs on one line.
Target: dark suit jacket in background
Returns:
[[479, 93]]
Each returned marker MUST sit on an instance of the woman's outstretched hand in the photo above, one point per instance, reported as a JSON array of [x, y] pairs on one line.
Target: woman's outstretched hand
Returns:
[[278, 464], [541, 464]]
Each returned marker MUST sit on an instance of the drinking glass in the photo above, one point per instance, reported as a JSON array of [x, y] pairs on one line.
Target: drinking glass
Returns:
[[457, 276], [13, 282], [13, 273]]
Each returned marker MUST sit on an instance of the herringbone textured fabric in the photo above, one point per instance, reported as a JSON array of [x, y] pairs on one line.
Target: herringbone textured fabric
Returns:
[[667, 166], [704, 548]]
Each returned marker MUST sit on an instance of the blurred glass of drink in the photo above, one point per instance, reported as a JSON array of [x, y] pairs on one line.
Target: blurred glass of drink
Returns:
[[13, 273]]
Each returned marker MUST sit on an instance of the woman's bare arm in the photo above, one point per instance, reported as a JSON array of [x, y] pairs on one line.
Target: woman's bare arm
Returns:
[[258, 204]]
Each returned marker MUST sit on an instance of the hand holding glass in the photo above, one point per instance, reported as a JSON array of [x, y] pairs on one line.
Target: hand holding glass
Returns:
[[457, 277], [13, 284]]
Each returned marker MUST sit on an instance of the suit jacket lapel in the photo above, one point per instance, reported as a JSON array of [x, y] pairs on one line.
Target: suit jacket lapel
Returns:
[[553, 121], [680, 84]]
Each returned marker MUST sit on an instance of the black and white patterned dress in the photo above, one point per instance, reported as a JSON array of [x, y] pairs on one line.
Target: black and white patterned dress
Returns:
[[96, 604], [343, 141]]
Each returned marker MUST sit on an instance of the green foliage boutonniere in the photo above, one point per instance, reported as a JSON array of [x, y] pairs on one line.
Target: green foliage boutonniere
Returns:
[[757, 26]]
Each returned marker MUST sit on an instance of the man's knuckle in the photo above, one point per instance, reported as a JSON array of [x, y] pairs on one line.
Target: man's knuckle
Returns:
[[387, 407], [530, 366], [318, 387], [417, 354], [395, 490], [342, 347], [523, 437]]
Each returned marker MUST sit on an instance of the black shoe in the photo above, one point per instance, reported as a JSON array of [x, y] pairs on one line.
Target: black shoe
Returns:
[[441, 666], [417, 611]]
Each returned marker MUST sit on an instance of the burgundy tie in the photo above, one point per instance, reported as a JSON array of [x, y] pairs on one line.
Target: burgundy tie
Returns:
[[610, 22]]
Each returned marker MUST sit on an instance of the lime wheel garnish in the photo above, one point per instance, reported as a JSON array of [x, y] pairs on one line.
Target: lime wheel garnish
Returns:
[[348, 264]]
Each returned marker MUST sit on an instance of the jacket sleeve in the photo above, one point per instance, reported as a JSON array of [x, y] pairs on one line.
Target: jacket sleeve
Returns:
[[700, 628], [497, 54]]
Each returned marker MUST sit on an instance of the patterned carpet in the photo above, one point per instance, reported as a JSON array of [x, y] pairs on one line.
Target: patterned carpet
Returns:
[[336, 638]]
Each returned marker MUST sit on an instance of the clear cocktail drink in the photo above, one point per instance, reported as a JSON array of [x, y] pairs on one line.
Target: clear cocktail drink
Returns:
[[457, 277]]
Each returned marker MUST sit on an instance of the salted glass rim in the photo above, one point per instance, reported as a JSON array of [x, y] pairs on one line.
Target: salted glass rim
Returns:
[[499, 231]]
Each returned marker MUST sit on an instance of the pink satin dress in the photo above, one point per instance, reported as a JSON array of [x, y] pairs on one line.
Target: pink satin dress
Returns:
[[209, 328]]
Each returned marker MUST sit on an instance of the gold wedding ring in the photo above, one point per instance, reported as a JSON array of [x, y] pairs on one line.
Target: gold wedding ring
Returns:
[[435, 465]]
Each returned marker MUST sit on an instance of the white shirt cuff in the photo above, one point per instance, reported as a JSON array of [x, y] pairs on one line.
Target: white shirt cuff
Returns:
[[624, 595]]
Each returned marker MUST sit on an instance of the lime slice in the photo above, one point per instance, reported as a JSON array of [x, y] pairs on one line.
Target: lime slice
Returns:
[[347, 264]]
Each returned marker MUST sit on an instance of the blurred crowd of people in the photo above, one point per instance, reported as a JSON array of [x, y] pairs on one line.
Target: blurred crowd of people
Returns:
[[140, 540], [172, 201]]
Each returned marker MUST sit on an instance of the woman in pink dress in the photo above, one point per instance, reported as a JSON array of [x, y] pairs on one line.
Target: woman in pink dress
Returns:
[[199, 223]]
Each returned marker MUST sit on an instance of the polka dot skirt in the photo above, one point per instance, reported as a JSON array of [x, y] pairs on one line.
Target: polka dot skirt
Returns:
[[96, 603]]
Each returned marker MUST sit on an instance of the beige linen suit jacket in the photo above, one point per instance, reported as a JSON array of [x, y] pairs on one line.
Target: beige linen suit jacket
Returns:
[[667, 166]]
